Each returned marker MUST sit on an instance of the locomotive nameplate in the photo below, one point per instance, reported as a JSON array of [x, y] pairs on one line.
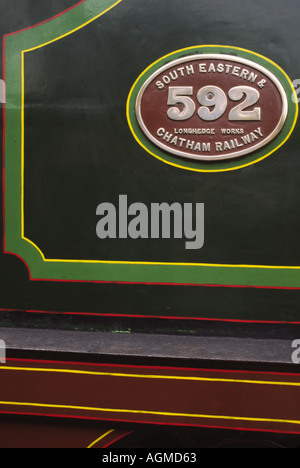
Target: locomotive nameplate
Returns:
[[211, 107]]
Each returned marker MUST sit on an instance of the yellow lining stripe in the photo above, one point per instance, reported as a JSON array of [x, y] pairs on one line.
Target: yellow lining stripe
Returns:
[[74, 30], [100, 438], [127, 110], [152, 413], [22, 113], [145, 376]]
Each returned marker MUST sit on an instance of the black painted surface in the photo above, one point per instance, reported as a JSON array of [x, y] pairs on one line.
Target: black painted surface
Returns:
[[242, 221], [76, 93]]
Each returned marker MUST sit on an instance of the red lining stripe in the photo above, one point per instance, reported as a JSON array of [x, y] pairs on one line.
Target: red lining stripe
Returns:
[[62, 416], [140, 367], [46, 20], [202, 319]]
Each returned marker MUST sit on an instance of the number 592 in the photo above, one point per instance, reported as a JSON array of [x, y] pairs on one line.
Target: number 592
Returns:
[[214, 103]]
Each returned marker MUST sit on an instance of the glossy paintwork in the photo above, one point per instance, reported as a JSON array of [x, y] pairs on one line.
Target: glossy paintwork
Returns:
[[249, 213], [78, 150]]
